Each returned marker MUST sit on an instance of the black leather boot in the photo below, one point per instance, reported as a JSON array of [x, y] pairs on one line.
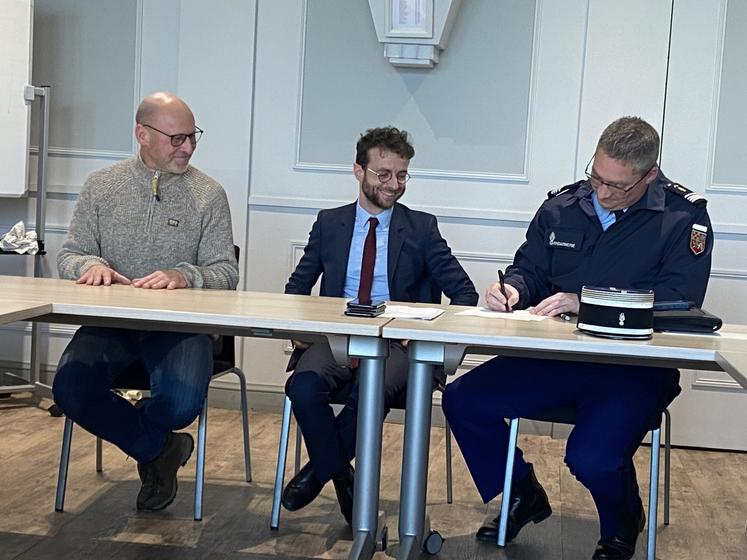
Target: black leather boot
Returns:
[[528, 503]]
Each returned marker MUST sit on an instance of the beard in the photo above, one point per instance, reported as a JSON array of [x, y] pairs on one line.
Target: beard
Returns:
[[381, 196]]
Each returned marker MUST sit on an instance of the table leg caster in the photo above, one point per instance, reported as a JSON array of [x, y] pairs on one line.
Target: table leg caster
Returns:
[[433, 543]]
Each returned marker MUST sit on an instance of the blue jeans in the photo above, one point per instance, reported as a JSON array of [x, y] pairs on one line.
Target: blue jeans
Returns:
[[176, 366]]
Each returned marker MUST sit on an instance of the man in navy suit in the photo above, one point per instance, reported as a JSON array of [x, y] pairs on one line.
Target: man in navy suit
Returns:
[[412, 263]]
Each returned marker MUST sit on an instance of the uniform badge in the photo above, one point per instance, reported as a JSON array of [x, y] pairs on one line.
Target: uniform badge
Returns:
[[698, 237]]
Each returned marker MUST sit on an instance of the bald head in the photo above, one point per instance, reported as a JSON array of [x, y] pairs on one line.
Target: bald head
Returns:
[[156, 103], [159, 118]]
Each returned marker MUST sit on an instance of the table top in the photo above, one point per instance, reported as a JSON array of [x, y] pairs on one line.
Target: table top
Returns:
[[192, 307], [554, 337], [237, 312], [11, 310]]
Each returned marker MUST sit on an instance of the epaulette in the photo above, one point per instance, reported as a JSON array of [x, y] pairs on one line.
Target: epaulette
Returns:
[[685, 193], [567, 188]]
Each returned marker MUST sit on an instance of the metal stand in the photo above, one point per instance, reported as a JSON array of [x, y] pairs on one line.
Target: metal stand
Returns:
[[11, 383], [369, 525], [415, 533]]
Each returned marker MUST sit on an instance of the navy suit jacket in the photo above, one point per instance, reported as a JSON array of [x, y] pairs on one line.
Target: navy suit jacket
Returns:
[[420, 263]]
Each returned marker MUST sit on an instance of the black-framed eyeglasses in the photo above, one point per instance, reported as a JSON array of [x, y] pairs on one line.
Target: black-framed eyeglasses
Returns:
[[384, 176], [597, 182], [178, 139]]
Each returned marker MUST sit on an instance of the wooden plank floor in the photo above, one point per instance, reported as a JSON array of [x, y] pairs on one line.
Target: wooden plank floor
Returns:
[[709, 501]]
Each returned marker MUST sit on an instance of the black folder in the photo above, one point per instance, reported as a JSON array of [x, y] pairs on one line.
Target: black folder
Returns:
[[694, 320]]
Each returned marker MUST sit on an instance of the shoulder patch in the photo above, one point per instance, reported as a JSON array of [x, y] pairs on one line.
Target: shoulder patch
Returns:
[[685, 193], [560, 190]]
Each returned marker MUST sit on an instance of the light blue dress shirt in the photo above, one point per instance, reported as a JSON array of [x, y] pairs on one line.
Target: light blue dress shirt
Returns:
[[606, 217], [380, 286]]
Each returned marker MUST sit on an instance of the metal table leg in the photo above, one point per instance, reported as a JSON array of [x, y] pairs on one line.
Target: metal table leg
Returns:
[[415, 534], [366, 523]]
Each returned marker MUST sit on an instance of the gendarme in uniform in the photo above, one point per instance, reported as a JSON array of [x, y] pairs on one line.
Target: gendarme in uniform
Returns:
[[663, 242]]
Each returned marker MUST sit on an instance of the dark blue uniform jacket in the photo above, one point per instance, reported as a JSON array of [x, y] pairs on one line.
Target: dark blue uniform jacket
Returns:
[[652, 246]]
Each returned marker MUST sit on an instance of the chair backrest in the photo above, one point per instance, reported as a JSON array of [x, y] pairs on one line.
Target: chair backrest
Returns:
[[224, 349]]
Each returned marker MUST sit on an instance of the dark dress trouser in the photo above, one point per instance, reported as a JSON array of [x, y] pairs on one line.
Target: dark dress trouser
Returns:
[[616, 405], [319, 381]]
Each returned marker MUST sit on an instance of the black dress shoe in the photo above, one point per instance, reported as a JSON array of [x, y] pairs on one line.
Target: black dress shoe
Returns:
[[159, 476], [344, 485], [528, 503], [301, 490], [622, 546]]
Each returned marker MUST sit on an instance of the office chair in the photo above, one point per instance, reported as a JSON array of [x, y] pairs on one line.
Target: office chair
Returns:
[[567, 415], [283, 452], [224, 363]]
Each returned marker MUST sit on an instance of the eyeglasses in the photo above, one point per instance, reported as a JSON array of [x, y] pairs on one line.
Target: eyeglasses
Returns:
[[597, 182], [178, 139], [384, 176]]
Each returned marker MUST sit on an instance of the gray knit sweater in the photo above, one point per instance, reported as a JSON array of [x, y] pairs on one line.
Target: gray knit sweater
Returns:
[[120, 223]]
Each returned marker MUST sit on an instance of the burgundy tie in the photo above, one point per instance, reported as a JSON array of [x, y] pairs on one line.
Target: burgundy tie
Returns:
[[368, 262], [367, 270]]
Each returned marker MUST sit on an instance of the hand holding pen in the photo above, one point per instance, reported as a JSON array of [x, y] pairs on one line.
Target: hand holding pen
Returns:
[[499, 296], [503, 290]]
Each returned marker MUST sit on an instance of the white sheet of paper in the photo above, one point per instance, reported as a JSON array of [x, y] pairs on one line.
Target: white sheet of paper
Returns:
[[407, 312], [521, 315]]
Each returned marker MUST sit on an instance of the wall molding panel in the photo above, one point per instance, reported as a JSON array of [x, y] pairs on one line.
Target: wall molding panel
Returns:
[[713, 384], [718, 64], [55, 151], [51, 329], [518, 218], [443, 174], [491, 258]]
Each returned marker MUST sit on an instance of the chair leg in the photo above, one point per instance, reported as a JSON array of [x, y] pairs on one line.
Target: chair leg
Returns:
[[67, 437], [99, 458], [280, 470], [667, 450], [200, 463], [297, 460], [506, 499], [449, 480], [653, 494], [245, 424]]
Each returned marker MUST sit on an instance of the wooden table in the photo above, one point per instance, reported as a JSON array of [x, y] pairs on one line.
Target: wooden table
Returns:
[[445, 340], [442, 341], [255, 314], [11, 311]]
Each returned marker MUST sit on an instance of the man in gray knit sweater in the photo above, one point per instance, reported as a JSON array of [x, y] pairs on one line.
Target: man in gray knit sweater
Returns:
[[151, 222]]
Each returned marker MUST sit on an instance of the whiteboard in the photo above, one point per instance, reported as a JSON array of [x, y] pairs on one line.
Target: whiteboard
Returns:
[[16, 17]]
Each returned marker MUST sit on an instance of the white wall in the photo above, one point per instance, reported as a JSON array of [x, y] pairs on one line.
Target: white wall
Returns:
[[174, 45], [513, 109]]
